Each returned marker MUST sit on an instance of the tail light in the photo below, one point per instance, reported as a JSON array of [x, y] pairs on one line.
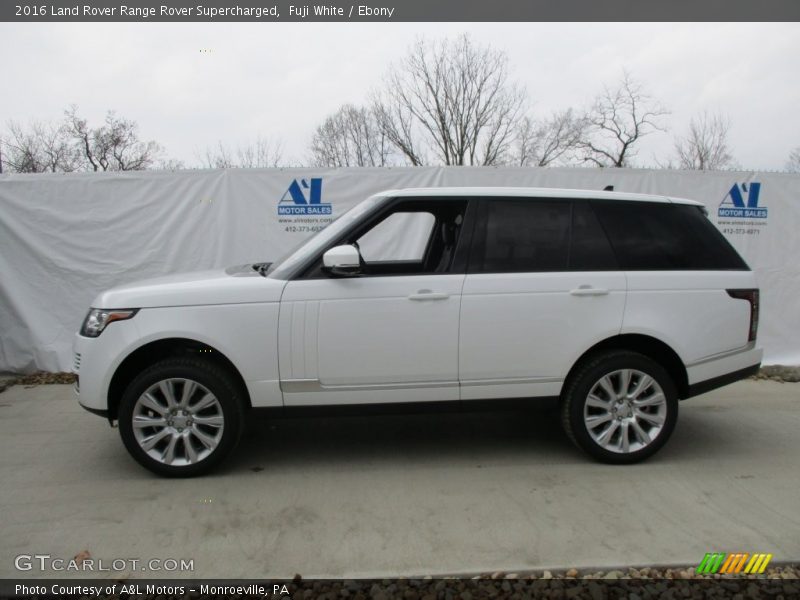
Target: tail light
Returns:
[[752, 297]]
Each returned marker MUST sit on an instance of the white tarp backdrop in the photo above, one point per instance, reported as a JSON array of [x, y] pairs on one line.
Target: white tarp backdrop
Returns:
[[64, 238]]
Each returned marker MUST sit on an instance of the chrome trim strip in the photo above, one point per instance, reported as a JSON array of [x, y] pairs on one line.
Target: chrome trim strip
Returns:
[[510, 381], [746, 348], [313, 385]]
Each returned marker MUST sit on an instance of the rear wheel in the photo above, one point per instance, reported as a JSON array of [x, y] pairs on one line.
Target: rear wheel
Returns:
[[620, 407], [181, 417]]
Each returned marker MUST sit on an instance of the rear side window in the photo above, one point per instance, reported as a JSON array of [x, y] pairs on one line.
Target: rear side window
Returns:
[[648, 236], [523, 236], [589, 248]]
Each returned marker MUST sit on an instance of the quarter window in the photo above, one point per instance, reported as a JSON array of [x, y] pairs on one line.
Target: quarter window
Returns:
[[649, 236]]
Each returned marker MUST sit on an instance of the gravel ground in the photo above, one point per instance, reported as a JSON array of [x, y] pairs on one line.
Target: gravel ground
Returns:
[[779, 582], [39, 378], [779, 373]]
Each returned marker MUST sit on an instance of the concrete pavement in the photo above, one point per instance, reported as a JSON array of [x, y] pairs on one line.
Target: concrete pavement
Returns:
[[404, 495]]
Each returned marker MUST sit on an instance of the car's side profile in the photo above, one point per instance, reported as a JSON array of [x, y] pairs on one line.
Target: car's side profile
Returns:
[[617, 304]]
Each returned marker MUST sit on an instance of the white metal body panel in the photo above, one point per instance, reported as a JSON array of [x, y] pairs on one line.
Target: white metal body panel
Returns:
[[190, 289], [520, 331], [690, 311], [245, 333], [371, 336]]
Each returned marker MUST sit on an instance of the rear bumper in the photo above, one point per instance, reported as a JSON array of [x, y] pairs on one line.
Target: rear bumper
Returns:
[[702, 387]]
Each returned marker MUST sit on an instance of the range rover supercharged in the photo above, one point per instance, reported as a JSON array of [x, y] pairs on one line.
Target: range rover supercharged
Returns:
[[618, 305]]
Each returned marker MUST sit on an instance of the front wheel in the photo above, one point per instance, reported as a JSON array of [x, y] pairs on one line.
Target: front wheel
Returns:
[[181, 417], [620, 407]]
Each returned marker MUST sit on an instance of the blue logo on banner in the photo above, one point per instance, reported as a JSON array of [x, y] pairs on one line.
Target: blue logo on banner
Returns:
[[741, 202], [304, 198]]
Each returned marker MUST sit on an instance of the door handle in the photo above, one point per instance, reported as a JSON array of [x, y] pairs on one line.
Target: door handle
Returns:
[[587, 290], [429, 295]]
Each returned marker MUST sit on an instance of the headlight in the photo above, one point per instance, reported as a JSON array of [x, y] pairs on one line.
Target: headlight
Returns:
[[97, 319]]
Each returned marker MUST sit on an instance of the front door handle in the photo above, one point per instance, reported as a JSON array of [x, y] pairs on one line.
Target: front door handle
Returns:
[[429, 295], [587, 290]]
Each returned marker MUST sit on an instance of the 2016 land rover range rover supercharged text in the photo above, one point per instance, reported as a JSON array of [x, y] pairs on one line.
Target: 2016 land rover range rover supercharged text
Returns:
[[617, 304]]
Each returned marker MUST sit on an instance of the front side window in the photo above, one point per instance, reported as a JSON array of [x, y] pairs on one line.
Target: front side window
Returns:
[[408, 237], [401, 237]]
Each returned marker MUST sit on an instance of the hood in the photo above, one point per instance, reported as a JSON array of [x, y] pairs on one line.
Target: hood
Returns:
[[234, 285]]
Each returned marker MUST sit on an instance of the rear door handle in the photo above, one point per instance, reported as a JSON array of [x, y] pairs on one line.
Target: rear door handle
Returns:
[[587, 290], [429, 295]]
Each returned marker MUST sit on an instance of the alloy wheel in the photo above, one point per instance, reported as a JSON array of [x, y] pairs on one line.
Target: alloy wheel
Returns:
[[178, 422], [625, 411]]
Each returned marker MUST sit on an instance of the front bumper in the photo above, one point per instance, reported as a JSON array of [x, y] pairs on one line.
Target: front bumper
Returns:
[[94, 362]]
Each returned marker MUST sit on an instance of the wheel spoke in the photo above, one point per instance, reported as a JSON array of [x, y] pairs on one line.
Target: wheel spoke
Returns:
[[654, 400], [148, 401], [597, 402], [205, 439], [606, 436], [608, 387], [624, 381], [654, 419], [644, 383], [640, 433], [150, 442], [593, 422], [169, 451], [626, 444], [215, 421], [203, 403], [169, 394], [141, 421], [188, 390], [191, 453]]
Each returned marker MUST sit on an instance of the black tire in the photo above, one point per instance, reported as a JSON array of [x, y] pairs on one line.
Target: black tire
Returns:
[[575, 397], [216, 380]]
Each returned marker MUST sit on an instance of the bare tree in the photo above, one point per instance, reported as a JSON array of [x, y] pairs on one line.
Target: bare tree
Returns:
[[451, 100], [350, 137], [114, 146], [705, 146], [169, 164], [551, 140], [23, 153], [617, 120], [39, 148], [260, 153], [793, 164], [397, 123]]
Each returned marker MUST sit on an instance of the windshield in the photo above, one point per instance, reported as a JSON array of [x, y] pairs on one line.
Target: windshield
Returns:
[[281, 268]]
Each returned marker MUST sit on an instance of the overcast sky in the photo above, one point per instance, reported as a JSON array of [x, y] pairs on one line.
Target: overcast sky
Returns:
[[281, 79]]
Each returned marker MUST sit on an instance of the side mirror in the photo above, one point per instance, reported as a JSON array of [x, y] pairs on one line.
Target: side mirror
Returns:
[[343, 261]]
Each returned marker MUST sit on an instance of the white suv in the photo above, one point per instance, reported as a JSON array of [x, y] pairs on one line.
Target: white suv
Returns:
[[617, 304]]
